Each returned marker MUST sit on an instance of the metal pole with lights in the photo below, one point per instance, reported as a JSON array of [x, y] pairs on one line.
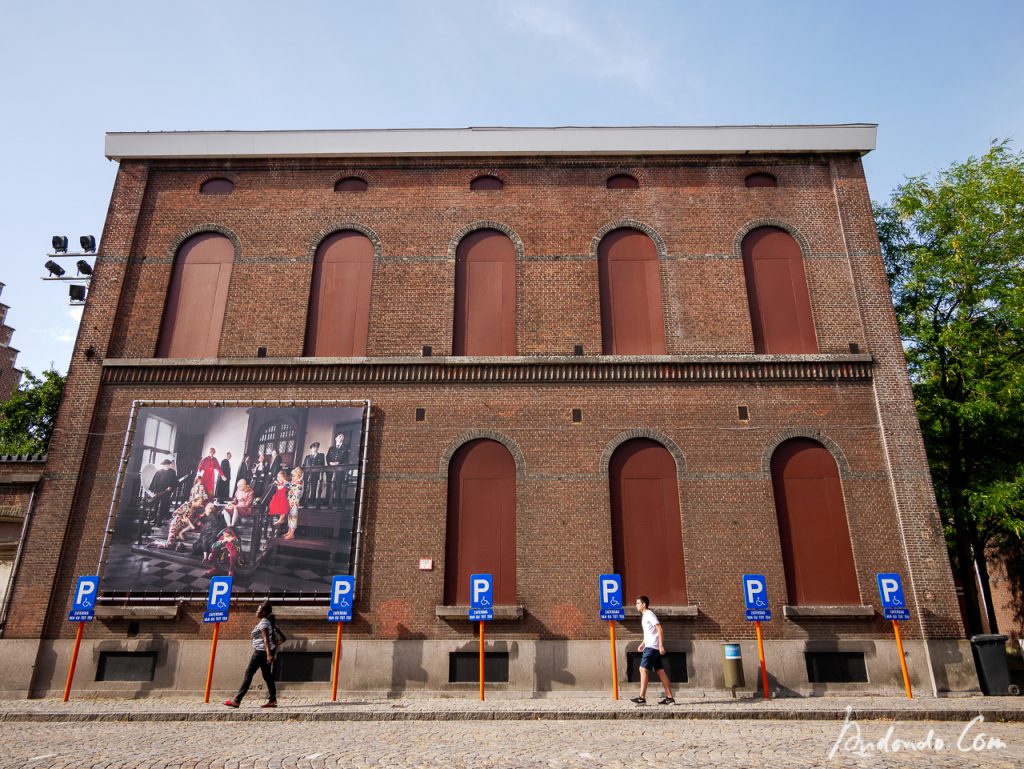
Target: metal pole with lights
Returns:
[[78, 289]]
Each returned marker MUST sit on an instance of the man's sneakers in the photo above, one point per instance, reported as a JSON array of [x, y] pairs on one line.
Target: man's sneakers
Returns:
[[666, 701], [639, 700]]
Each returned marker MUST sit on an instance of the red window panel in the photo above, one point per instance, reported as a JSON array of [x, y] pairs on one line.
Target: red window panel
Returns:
[[622, 182], [338, 322], [197, 297], [481, 534], [816, 549], [485, 295], [780, 307], [486, 183], [632, 322], [761, 180], [647, 535], [217, 187]]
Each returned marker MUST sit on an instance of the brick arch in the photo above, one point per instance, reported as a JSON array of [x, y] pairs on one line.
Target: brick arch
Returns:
[[326, 232], [811, 434], [631, 224], [637, 173], [231, 177], [199, 229], [654, 435], [517, 243], [500, 176], [357, 172], [493, 435], [746, 229]]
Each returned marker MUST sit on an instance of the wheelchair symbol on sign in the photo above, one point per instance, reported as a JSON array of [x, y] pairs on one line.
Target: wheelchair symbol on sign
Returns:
[[87, 603], [614, 602], [484, 601], [759, 602], [222, 604], [896, 602], [343, 602]]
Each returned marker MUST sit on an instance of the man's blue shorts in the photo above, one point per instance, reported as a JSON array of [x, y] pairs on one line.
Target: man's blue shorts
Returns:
[[651, 659]]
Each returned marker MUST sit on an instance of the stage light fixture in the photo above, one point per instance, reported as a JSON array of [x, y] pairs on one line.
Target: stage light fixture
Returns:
[[76, 293], [88, 244], [54, 268], [84, 268], [60, 244]]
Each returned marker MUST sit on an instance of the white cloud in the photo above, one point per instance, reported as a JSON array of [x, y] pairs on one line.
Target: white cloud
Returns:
[[585, 46]]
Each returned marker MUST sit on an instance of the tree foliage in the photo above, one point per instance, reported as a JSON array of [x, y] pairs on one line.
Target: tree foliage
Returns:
[[27, 419], [953, 246]]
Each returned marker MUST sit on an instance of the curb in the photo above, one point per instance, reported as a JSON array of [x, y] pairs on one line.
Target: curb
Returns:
[[822, 714]]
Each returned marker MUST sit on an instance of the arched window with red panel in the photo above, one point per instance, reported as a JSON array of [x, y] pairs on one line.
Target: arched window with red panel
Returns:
[[647, 533], [338, 322], [816, 548], [197, 297], [780, 307], [485, 295], [481, 534], [632, 320]]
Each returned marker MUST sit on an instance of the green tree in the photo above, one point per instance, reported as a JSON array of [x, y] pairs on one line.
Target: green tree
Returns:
[[953, 246], [27, 419]]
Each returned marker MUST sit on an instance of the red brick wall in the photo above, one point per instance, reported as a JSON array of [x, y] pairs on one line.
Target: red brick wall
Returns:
[[697, 209]]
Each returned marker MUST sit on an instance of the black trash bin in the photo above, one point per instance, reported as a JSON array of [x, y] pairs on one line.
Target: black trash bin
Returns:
[[993, 667]]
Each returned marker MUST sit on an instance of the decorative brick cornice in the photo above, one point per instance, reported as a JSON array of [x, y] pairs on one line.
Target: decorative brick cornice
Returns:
[[485, 371]]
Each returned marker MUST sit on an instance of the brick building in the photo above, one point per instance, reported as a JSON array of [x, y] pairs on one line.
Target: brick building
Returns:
[[10, 375], [664, 352]]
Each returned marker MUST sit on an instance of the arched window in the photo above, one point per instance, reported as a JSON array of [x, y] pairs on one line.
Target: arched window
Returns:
[[780, 308], [486, 182], [217, 187], [481, 534], [816, 549], [761, 180], [351, 184], [647, 534], [338, 322], [198, 294], [622, 182], [631, 313], [279, 435], [485, 295]]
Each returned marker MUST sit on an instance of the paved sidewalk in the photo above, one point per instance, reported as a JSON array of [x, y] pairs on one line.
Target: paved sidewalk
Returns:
[[467, 707]]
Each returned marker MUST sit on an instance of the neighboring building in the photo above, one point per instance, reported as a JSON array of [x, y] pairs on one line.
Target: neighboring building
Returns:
[[545, 354], [10, 376], [19, 479]]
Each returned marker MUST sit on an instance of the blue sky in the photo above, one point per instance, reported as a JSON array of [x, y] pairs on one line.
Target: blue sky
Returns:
[[941, 78]]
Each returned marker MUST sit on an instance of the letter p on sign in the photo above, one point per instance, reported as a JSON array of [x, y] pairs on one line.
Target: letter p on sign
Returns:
[[480, 587], [85, 592], [609, 589]]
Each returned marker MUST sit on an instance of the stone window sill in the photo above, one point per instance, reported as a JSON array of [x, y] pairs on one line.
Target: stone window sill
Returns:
[[135, 613], [462, 612], [828, 612], [671, 612]]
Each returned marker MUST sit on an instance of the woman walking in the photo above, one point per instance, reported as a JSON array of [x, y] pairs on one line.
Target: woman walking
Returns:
[[262, 657]]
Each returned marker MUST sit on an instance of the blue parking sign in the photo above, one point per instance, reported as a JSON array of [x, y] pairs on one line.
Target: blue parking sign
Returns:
[[890, 590], [609, 588], [218, 600], [84, 607], [755, 598], [481, 597], [343, 592]]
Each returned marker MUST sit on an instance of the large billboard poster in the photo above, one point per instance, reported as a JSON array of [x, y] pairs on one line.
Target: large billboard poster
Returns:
[[267, 495]]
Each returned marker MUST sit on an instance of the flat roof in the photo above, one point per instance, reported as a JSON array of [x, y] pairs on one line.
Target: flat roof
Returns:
[[567, 140]]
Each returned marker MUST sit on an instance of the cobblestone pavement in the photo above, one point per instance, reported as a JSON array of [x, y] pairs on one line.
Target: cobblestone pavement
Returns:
[[562, 744]]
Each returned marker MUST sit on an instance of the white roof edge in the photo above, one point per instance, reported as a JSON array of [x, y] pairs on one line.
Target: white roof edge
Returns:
[[642, 140]]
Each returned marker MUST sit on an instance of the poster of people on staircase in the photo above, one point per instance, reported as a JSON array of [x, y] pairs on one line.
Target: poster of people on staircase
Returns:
[[268, 495]]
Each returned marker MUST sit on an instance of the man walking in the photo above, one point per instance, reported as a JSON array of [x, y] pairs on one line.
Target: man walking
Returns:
[[653, 647]]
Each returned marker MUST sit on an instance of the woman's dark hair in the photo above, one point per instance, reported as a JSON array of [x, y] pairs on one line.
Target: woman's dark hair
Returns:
[[266, 610], [644, 600]]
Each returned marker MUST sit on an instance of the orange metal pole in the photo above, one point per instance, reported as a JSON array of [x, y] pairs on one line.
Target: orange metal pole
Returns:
[[481, 660], [213, 655], [74, 661], [760, 656], [903, 660], [337, 660], [615, 662]]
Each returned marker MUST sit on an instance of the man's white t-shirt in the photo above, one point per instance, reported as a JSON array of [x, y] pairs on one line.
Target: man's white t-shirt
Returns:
[[650, 623]]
